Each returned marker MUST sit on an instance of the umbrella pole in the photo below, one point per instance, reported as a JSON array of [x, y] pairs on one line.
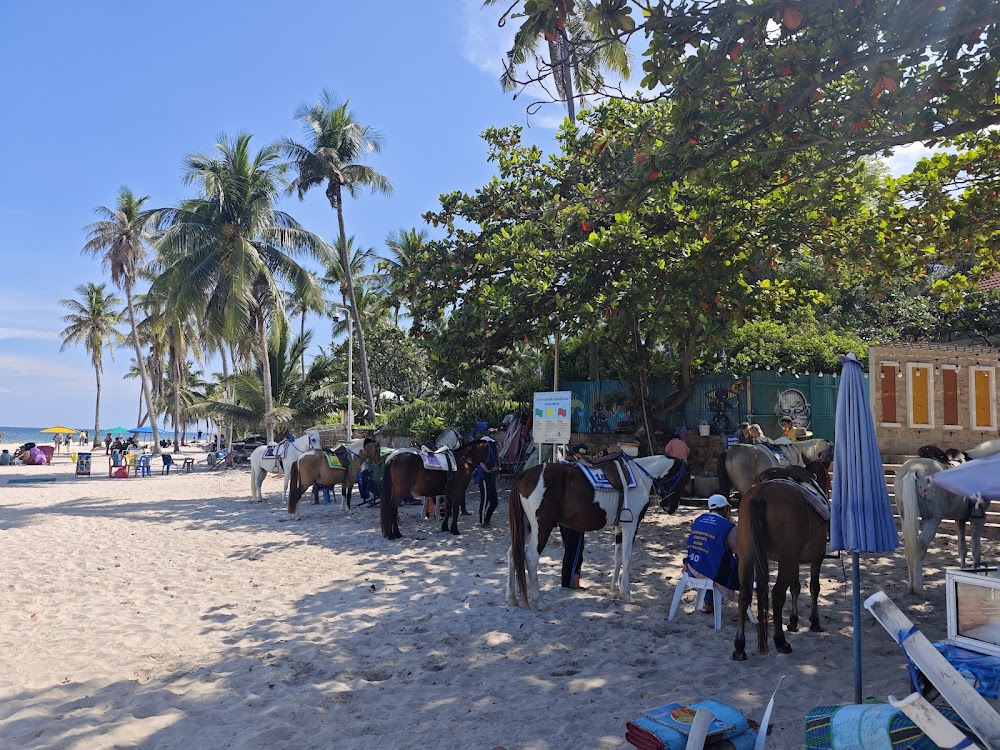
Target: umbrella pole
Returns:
[[856, 584]]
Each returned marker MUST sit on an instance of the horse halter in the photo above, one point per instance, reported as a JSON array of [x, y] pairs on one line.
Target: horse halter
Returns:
[[655, 484]]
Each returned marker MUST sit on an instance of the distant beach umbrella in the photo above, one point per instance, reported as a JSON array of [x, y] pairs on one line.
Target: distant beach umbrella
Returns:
[[861, 519], [60, 429]]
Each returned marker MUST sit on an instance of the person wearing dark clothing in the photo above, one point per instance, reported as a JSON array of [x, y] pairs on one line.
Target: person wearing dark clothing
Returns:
[[107, 444], [745, 438], [572, 561], [711, 549], [488, 499]]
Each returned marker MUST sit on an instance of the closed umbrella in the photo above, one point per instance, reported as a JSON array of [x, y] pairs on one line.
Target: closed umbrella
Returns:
[[979, 477], [861, 518]]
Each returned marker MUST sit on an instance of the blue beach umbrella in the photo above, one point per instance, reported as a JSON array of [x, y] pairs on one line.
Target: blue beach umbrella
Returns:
[[142, 430], [861, 517], [979, 477]]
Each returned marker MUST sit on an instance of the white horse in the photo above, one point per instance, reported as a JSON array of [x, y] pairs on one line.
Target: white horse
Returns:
[[922, 505], [551, 494], [283, 455]]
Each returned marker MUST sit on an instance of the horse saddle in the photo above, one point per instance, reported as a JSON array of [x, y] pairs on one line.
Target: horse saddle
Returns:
[[336, 459], [276, 451], [773, 452], [803, 479], [442, 459], [602, 472]]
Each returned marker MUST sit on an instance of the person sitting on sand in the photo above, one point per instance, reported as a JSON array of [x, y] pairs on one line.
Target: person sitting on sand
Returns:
[[712, 549]]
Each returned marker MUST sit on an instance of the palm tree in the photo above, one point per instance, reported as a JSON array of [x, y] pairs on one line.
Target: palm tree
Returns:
[[582, 48], [336, 146], [226, 252], [301, 306], [120, 238], [404, 247], [92, 321]]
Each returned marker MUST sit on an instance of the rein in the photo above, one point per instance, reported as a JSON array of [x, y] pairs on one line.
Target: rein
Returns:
[[660, 484]]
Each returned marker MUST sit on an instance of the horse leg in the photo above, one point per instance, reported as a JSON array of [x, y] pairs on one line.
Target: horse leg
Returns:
[[511, 584], [628, 541], [788, 572], [745, 595], [814, 569], [616, 575], [928, 530], [793, 617], [963, 548], [253, 483], [455, 507], [977, 541]]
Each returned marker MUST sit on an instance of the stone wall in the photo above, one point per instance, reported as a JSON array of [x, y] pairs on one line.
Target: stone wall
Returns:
[[900, 436]]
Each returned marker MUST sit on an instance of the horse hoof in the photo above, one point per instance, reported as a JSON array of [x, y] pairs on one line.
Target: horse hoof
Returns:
[[739, 655], [793, 627], [455, 532], [817, 628], [783, 648]]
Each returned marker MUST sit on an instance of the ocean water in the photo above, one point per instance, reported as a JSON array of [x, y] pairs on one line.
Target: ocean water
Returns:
[[21, 435]]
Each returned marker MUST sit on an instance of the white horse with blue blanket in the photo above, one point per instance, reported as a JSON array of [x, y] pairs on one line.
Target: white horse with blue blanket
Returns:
[[278, 459], [551, 494]]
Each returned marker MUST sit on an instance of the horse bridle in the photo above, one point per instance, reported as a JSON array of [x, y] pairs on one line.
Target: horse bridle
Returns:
[[658, 484]]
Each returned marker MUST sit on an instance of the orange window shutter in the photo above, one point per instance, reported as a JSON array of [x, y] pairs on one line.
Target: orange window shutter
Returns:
[[984, 417], [888, 382], [919, 399], [950, 378]]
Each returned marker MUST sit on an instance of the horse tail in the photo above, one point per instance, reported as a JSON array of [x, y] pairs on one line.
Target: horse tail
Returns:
[[293, 487], [518, 526], [725, 483], [906, 503], [386, 508], [758, 529]]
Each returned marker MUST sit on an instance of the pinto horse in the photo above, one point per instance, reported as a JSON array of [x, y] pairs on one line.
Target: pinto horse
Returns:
[[551, 494], [922, 505], [314, 468], [741, 465], [260, 464], [405, 473], [777, 522]]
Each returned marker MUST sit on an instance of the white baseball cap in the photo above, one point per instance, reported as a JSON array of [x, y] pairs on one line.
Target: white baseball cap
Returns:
[[717, 501]]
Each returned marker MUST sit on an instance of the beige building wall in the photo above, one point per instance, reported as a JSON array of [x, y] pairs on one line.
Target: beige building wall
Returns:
[[915, 364]]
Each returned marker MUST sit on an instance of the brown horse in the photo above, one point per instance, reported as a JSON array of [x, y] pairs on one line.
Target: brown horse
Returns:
[[776, 522], [314, 468], [405, 473]]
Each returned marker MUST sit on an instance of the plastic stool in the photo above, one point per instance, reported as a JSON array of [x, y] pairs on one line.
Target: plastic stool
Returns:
[[188, 465], [702, 585]]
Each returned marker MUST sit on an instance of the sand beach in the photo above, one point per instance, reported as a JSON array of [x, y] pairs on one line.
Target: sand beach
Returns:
[[169, 612]]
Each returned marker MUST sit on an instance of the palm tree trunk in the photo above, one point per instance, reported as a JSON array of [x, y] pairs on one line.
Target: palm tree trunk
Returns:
[[143, 376], [362, 350], [265, 369], [177, 402], [97, 410], [302, 335]]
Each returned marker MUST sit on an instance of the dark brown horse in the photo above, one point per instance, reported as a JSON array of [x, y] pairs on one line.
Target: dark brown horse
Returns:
[[405, 473], [314, 468], [777, 523]]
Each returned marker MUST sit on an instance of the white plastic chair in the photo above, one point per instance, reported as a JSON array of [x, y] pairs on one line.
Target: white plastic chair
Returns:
[[702, 585]]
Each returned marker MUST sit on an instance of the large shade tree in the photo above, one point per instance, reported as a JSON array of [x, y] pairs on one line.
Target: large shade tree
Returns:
[[842, 78], [93, 319], [120, 237], [335, 147], [227, 253]]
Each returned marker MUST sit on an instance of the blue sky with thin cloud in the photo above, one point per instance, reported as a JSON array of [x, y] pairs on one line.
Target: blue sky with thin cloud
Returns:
[[99, 95]]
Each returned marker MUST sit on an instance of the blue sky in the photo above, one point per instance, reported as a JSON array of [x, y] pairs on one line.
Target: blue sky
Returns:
[[105, 94]]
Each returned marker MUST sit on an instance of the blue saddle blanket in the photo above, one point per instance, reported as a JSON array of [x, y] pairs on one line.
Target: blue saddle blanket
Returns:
[[599, 480]]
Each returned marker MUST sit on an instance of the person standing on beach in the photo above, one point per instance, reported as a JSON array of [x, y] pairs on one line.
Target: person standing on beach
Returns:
[[57, 441], [107, 443], [572, 562]]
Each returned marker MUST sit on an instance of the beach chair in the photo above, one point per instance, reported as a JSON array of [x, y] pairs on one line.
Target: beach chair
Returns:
[[145, 465], [168, 461], [921, 655], [702, 586]]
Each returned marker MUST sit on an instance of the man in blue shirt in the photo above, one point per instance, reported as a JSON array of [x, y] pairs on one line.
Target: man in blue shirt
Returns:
[[711, 549]]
